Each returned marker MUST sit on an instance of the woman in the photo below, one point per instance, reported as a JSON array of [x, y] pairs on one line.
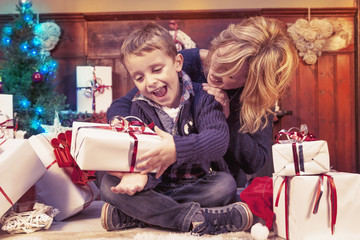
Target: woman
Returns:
[[248, 68]]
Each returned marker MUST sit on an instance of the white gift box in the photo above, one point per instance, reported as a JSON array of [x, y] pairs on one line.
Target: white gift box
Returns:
[[107, 150], [302, 223], [84, 81], [55, 188], [6, 113], [20, 168], [313, 157]]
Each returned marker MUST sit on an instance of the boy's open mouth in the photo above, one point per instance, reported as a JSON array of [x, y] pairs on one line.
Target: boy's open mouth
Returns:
[[160, 92]]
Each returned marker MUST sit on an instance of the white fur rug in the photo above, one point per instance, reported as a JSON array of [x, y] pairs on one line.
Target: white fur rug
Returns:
[[184, 236]]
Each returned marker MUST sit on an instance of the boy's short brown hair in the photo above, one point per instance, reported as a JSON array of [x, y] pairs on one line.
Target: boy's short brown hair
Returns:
[[148, 39]]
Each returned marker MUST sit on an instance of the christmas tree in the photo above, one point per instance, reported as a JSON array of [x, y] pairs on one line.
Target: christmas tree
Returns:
[[28, 72]]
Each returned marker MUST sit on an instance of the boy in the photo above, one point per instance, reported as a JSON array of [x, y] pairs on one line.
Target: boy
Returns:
[[185, 196]]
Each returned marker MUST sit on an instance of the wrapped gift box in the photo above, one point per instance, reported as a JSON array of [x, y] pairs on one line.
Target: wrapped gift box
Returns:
[[303, 224], [6, 115], [85, 87], [97, 147], [20, 168], [313, 157], [55, 188]]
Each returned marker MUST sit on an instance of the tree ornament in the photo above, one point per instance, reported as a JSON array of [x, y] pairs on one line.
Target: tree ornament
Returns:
[[25, 3], [37, 77]]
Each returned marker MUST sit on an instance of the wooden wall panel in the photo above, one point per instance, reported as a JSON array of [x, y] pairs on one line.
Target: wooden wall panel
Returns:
[[307, 96], [72, 40], [345, 122], [326, 103]]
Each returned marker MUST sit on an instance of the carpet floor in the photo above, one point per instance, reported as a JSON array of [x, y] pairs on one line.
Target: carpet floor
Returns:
[[87, 226]]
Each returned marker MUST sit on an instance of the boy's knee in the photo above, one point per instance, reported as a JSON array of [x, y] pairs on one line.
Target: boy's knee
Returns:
[[106, 183], [224, 189]]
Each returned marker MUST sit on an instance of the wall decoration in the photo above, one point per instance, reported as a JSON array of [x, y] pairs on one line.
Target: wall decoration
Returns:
[[312, 37]]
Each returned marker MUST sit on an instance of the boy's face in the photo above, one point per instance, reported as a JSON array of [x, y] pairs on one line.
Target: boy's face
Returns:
[[156, 76]]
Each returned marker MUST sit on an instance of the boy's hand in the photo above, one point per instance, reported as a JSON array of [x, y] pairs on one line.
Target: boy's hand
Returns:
[[220, 96], [160, 157], [130, 183]]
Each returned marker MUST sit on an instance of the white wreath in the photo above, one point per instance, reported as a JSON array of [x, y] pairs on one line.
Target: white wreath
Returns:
[[183, 40], [48, 34], [310, 37]]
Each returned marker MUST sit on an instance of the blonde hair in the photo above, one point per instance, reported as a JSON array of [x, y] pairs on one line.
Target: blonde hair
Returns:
[[263, 44], [148, 39]]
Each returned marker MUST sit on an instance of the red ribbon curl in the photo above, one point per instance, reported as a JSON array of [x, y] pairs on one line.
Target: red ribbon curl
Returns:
[[61, 146]]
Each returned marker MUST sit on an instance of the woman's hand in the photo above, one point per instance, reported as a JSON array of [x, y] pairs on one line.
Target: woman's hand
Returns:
[[220, 96], [161, 157]]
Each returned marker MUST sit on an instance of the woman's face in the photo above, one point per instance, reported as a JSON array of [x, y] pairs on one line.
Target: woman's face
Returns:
[[226, 82]]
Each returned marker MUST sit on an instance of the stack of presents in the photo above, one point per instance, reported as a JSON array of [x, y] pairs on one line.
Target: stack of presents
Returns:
[[311, 201], [63, 166], [43, 162]]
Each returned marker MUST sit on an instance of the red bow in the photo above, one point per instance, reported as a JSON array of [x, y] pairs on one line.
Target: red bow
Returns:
[[61, 146], [295, 136]]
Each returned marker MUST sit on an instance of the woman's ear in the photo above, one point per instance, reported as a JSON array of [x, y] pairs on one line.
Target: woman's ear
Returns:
[[179, 60]]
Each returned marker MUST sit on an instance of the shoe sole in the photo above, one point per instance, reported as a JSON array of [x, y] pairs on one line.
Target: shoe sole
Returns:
[[249, 215], [104, 216]]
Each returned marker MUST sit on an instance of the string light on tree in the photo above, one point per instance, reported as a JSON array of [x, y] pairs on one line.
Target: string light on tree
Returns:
[[28, 71]]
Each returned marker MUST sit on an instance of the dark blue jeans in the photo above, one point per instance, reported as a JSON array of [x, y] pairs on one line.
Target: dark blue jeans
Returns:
[[172, 208]]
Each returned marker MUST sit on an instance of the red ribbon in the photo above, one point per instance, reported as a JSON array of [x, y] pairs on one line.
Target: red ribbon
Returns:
[[64, 160], [3, 141], [50, 165], [6, 196], [296, 137], [333, 200], [132, 128], [74, 175], [286, 183], [4, 125], [296, 159]]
